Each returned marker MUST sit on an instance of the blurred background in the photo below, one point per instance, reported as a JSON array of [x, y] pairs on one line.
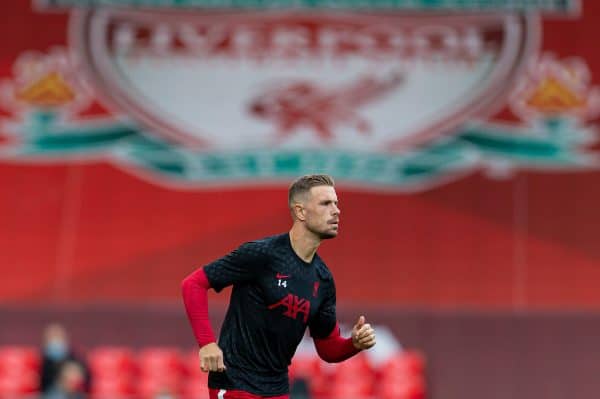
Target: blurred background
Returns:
[[140, 140]]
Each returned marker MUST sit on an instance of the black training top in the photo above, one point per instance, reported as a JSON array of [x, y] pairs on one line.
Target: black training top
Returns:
[[275, 296]]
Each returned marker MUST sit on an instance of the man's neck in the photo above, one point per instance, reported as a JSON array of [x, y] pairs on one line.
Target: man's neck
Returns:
[[304, 243]]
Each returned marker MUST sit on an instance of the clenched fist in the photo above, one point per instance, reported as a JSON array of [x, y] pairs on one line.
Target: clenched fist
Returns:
[[211, 358], [363, 335]]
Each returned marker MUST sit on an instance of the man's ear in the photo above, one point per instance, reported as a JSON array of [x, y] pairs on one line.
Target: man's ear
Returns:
[[299, 212]]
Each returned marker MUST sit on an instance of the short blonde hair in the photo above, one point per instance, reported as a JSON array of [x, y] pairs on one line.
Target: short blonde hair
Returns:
[[303, 184]]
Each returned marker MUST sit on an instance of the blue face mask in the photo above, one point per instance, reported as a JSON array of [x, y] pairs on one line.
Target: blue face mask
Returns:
[[56, 350]]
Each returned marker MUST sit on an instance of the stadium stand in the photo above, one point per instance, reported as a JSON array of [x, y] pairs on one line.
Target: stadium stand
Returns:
[[122, 373]]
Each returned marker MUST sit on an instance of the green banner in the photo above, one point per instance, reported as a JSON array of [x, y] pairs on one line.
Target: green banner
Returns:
[[552, 144]]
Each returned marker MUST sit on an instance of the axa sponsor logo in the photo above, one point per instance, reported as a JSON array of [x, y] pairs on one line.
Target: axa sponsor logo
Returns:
[[293, 306]]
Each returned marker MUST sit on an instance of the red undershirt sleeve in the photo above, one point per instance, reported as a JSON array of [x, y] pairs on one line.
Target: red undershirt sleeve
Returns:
[[194, 289], [335, 348]]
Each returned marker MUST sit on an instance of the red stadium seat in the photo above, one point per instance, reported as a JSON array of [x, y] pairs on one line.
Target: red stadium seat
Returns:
[[355, 367], [150, 387], [352, 388], [114, 388], [158, 361], [161, 369], [110, 361], [195, 387], [113, 370], [304, 366], [19, 358], [18, 371], [18, 382], [409, 362], [351, 377], [191, 363], [401, 377], [403, 387]]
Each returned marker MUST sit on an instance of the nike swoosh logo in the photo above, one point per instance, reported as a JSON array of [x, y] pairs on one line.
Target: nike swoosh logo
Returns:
[[279, 276]]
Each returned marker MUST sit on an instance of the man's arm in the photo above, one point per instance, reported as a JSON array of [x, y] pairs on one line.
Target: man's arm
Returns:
[[238, 266], [330, 345], [336, 348], [194, 289]]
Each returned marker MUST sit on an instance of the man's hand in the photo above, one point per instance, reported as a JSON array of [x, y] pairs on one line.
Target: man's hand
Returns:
[[211, 358], [363, 335]]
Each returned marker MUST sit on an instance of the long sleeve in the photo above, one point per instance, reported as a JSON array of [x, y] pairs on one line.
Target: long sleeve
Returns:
[[335, 348], [194, 289]]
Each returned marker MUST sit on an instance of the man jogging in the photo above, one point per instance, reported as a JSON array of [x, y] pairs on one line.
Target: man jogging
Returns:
[[280, 287]]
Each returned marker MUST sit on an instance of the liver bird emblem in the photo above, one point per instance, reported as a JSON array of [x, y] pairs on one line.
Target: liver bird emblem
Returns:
[[306, 104]]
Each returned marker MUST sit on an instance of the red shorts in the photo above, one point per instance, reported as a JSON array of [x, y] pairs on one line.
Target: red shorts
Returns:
[[227, 394]]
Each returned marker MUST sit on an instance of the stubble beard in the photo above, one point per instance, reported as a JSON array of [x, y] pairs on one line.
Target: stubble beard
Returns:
[[324, 235], [328, 236]]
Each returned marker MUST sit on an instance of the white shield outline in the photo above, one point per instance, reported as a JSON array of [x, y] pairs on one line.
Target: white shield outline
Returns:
[[88, 26]]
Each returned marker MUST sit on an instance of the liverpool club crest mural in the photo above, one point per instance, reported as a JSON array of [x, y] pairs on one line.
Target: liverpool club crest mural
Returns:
[[403, 100], [397, 99]]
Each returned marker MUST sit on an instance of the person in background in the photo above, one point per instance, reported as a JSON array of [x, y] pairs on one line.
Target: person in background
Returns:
[[56, 352], [69, 383]]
